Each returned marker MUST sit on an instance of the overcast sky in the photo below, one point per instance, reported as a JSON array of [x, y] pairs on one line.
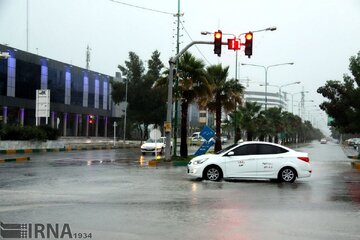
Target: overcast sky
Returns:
[[318, 36]]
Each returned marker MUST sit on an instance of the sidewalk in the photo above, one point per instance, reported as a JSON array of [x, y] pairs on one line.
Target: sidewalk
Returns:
[[78, 144]]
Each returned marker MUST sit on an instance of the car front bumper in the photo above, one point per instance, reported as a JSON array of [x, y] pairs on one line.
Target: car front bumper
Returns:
[[195, 170], [145, 150]]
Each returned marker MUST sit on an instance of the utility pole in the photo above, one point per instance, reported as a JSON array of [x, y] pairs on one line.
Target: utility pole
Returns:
[[177, 81], [172, 63], [302, 113], [27, 25]]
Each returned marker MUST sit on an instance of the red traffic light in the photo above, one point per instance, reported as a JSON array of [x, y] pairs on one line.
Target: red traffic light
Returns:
[[248, 44], [234, 44], [217, 42], [249, 36], [91, 119], [218, 35]]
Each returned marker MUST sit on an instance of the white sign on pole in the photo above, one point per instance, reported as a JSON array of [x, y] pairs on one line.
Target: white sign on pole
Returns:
[[42, 103]]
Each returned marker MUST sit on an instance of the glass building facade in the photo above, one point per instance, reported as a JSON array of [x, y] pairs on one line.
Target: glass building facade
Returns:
[[76, 94]]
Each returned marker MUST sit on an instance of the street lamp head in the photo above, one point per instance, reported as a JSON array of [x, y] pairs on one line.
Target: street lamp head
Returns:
[[271, 29], [297, 82], [205, 33]]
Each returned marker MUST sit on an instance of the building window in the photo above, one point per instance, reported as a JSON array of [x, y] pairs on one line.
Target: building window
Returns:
[[27, 79], [56, 84], [67, 85], [44, 74], [3, 77], [11, 77], [86, 90], [96, 100], [77, 87], [105, 95]]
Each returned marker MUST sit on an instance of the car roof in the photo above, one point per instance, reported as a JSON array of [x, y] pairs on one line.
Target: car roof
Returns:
[[267, 143]]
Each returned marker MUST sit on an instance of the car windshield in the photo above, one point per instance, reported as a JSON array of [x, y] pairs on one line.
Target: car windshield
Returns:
[[227, 148], [150, 140]]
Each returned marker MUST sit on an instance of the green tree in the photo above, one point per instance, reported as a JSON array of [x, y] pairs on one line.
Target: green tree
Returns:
[[343, 103], [154, 106], [146, 105], [226, 94]]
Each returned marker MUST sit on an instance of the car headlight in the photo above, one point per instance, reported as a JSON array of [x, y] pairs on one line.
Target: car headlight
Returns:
[[200, 161]]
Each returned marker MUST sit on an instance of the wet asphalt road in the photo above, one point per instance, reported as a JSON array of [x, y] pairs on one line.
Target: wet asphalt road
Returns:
[[113, 194]]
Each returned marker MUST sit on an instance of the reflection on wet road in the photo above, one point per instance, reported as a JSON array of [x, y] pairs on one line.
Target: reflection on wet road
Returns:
[[117, 195]]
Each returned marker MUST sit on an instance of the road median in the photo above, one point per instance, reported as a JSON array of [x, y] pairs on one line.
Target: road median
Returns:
[[15, 159]]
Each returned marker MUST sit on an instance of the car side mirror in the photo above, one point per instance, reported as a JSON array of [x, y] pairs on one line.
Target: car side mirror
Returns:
[[229, 154]]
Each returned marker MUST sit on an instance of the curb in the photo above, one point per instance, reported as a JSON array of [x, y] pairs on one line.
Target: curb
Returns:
[[356, 165], [18, 159], [65, 149], [161, 162]]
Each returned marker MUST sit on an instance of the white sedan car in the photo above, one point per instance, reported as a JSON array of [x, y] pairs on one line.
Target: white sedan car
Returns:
[[261, 160], [152, 146]]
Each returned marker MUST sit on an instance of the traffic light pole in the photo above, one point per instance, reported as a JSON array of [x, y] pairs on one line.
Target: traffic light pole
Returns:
[[172, 63]]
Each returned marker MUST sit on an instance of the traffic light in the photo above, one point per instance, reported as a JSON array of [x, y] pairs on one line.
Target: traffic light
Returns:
[[91, 119], [248, 44], [217, 42]]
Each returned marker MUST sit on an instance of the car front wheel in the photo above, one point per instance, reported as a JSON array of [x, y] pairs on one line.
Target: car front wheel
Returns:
[[287, 175], [213, 173]]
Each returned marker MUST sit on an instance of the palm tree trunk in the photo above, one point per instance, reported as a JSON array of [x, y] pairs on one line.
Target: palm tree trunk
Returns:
[[249, 135], [183, 143], [218, 125]]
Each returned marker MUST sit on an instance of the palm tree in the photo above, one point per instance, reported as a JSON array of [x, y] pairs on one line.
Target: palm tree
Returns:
[[226, 94], [274, 120], [249, 118], [193, 85]]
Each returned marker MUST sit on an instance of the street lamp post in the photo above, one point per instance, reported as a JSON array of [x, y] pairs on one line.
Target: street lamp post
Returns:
[[126, 104], [266, 68], [292, 99], [285, 85]]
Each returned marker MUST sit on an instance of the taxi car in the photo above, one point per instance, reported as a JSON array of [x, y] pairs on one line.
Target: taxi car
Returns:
[[260, 160]]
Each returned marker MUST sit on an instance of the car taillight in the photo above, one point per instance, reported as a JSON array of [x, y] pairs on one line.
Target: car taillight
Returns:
[[305, 159]]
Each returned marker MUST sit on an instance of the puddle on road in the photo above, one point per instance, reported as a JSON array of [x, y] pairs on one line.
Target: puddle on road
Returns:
[[140, 162]]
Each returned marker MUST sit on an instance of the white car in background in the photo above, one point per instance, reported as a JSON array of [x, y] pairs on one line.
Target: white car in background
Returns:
[[260, 160], [152, 146]]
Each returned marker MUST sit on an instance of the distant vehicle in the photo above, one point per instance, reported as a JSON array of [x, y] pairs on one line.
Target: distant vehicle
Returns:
[[356, 143], [151, 147], [224, 139], [323, 141], [258, 160], [196, 139], [351, 141]]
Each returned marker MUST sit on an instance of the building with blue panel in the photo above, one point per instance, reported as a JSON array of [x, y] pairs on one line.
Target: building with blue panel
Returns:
[[80, 99]]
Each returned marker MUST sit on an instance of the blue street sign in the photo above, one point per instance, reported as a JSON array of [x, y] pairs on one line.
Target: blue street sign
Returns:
[[207, 133], [204, 147]]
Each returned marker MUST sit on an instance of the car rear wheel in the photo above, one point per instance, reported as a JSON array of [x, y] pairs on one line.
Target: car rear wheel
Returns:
[[287, 175], [213, 173]]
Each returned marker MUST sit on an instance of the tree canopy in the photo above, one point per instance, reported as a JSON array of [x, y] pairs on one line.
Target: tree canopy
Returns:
[[343, 103]]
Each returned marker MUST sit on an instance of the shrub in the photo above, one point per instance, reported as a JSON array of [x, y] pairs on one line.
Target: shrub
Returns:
[[51, 133], [41, 133]]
